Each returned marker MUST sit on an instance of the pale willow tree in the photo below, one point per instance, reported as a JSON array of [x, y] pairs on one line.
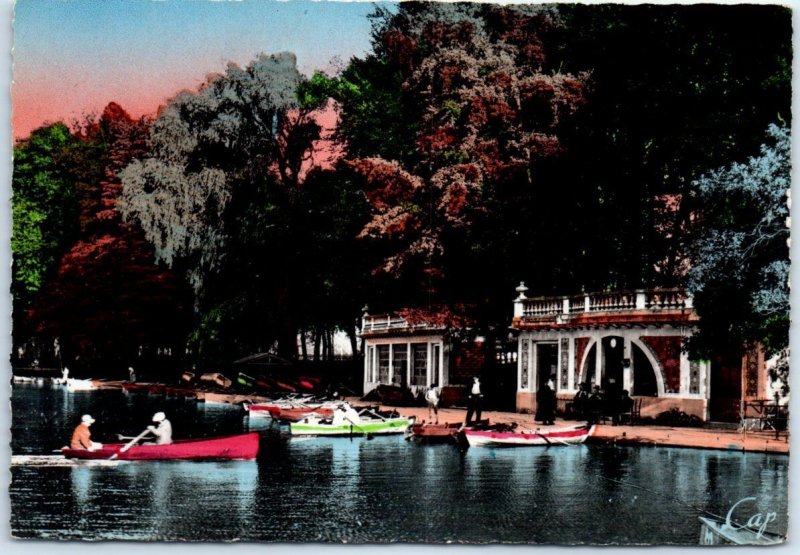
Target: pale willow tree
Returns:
[[740, 262], [203, 145], [221, 161]]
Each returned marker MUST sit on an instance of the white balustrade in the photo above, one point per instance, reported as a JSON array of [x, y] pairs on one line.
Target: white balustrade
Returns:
[[617, 301]]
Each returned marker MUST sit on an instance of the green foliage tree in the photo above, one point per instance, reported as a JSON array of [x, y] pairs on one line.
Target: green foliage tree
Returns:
[[740, 259], [674, 90], [44, 208]]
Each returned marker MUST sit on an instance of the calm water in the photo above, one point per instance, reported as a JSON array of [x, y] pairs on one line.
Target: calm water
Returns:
[[335, 490]]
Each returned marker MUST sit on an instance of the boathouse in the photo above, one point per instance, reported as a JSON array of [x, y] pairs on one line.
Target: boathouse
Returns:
[[400, 350], [631, 340]]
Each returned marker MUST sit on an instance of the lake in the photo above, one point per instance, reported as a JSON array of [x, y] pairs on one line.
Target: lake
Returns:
[[354, 490]]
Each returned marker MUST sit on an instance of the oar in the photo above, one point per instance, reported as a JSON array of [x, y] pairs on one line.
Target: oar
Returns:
[[367, 435], [128, 445], [553, 438]]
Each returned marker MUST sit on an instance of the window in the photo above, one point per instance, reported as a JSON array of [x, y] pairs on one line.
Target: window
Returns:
[[419, 373], [383, 363], [437, 350], [370, 364], [399, 363]]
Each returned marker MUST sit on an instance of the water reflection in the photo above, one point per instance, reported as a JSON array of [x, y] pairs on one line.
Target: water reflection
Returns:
[[335, 489]]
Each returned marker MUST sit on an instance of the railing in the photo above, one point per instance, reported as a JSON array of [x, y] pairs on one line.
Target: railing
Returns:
[[617, 301], [386, 322]]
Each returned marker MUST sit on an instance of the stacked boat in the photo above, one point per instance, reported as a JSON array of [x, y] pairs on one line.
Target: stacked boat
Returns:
[[291, 408]]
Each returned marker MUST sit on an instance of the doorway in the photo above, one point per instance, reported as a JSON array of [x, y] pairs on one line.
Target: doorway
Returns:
[[726, 388], [612, 371], [546, 363]]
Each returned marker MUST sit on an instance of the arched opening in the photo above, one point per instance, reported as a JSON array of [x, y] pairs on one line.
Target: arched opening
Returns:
[[644, 375], [612, 365], [589, 365]]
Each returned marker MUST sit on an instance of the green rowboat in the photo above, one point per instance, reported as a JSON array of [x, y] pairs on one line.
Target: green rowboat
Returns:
[[346, 421]]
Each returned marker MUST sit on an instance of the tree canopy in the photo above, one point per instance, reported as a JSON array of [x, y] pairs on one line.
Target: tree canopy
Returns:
[[740, 258]]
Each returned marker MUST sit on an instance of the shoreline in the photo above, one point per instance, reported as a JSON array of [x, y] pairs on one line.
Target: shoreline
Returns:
[[629, 435]]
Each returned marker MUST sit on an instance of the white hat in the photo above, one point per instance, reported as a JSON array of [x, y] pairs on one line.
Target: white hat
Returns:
[[87, 419], [159, 416]]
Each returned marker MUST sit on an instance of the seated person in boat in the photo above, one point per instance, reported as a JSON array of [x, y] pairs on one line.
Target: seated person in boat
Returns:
[[432, 397], [163, 432], [81, 437], [345, 414]]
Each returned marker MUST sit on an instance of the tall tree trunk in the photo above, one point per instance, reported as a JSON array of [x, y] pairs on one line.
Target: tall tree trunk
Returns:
[[351, 333], [325, 351], [303, 347], [316, 344]]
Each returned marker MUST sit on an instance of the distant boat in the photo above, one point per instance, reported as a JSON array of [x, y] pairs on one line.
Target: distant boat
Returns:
[[80, 385], [567, 435], [346, 421], [242, 446], [717, 532]]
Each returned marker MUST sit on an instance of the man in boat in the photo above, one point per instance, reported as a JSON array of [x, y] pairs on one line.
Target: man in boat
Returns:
[[432, 396], [81, 436], [131, 374], [475, 401], [163, 431]]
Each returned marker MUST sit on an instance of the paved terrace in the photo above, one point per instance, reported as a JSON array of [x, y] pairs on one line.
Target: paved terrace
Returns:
[[698, 438]]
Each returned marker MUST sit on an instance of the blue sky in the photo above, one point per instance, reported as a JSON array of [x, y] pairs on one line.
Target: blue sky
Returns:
[[74, 56]]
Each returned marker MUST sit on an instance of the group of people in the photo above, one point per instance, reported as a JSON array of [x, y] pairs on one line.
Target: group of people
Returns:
[[474, 402], [594, 405], [82, 436]]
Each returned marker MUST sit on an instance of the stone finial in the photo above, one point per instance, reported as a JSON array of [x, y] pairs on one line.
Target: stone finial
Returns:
[[521, 289]]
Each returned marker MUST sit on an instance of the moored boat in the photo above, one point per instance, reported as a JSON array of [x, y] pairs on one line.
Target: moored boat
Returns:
[[567, 435], [242, 446], [80, 385], [346, 421], [715, 531], [427, 432]]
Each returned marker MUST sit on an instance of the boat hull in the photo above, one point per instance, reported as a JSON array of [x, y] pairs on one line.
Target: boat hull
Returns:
[[390, 426], [243, 446], [528, 438], [435, 433]]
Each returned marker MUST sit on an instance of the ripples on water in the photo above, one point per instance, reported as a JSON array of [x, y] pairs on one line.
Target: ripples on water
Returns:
[[335, 489]]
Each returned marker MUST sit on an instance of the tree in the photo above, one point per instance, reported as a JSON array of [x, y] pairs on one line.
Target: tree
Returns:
[[217, 195], [674, 90], [107, 302], [472, 106], [740, 259], [44, 208]]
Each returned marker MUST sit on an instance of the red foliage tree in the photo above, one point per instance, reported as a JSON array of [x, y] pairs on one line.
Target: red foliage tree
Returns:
[[488, 108], [109, 302]]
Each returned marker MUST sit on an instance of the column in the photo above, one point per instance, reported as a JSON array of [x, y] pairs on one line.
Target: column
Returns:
[[571, 365], [627, 371], [598, 362]]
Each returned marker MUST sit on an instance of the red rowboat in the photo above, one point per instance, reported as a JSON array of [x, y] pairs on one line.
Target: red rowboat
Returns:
[[434, 433], [243, 446], [295, 414]]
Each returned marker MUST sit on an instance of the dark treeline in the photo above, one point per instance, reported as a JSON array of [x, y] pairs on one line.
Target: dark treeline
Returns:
[[571, 147]]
